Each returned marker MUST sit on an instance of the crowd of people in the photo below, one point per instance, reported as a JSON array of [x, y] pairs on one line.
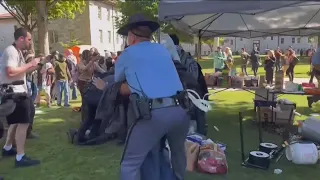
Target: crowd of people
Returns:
[[275, 61], [62, 74], [157, 100]]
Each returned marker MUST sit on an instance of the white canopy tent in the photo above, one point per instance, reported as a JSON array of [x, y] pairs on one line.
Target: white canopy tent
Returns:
[[246, 19]]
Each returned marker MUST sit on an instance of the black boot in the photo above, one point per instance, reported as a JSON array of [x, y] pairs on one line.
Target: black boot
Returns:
[[310, 101], [31, 134]]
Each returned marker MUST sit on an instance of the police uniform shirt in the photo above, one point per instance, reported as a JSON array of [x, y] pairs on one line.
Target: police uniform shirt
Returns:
[[148, 66]]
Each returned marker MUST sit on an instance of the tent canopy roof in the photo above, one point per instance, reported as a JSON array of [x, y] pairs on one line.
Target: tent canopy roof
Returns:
[[247, 19]]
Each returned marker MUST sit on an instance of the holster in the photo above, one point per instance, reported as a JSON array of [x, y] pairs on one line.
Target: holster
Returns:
[[141, 107], [183, 99]]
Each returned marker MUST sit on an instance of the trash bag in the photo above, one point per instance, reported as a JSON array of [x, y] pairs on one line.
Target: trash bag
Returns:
[[212, 160]]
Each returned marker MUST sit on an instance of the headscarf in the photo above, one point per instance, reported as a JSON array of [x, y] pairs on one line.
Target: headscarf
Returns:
[[166, 40]]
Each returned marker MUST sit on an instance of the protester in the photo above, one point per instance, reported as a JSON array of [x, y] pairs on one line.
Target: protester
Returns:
[[269, 66], [245, 60], [85, 69], [219, 58], [255, 61], [293, 60], [278, 54], [13, 68], [46, 73], [63, 80], [72, 63]]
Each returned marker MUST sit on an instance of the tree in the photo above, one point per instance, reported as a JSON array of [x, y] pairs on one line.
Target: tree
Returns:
[[149, 8], [54, 9], [211, 42], [22, 12], [31, 14]]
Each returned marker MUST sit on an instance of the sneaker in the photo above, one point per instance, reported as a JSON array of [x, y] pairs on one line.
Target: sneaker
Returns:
[[25, 162], [11, 152], [67, 105]]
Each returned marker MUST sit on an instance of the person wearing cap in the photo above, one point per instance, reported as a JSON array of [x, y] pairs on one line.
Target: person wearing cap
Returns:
[[153, 76]]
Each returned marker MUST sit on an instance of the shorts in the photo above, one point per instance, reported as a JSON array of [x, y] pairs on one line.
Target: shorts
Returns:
[[21, 114]]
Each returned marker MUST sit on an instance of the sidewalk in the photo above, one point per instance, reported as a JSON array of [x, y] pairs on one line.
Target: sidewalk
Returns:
[[296, 80]]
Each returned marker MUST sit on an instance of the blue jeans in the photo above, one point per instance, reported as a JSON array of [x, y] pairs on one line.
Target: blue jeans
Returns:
[[32, 90], [74, 91], [62, 87]]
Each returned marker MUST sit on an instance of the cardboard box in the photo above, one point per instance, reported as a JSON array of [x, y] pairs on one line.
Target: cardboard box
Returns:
[[210, 80], [280, 117]]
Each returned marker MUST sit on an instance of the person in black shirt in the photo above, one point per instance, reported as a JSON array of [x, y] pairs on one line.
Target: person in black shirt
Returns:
[[269, 66], [255, 61]]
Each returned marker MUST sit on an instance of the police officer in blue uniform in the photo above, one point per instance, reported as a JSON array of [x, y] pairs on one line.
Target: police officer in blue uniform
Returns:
[[149, 72]]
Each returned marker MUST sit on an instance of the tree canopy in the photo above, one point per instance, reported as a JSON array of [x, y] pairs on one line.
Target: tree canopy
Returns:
[[24, 11], [149, 8]]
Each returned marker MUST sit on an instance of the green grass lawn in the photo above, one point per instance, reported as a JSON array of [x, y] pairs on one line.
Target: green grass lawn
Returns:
[[300, 70], [63, 161]]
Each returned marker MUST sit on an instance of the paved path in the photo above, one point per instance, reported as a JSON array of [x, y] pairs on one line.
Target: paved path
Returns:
[[296, 80]]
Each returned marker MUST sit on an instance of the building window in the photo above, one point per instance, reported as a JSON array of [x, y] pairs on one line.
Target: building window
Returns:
[[298, 40], [271, 38], [293, 40], [108, 14], [231, 42], [53, 37], [109, 36], [117, 39], [241, 39], [101, 36], [99, 13], [282, 40]]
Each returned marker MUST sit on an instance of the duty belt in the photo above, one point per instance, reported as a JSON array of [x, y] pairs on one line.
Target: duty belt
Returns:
[[163, 102]]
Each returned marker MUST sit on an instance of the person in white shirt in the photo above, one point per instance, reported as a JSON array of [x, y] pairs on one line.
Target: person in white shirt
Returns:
[[72, 63], [46, 72], [13, 68]]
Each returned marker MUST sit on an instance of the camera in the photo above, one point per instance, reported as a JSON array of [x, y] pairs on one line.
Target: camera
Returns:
[[8, 100]]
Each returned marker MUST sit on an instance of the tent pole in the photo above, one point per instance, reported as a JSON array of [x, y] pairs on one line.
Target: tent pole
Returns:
[[199, 46]]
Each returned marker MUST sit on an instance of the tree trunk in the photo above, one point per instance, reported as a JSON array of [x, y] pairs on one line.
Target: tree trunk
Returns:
[[211, 47], [42, 23]]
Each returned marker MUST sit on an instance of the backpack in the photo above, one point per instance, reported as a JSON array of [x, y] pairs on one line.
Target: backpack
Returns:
[[188, 61], [195, 69]]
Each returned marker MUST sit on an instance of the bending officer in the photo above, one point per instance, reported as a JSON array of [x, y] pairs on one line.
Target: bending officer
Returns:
[[150, 72]]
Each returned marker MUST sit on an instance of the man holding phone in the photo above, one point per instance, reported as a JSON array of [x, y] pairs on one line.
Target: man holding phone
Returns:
[[14, 68]]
